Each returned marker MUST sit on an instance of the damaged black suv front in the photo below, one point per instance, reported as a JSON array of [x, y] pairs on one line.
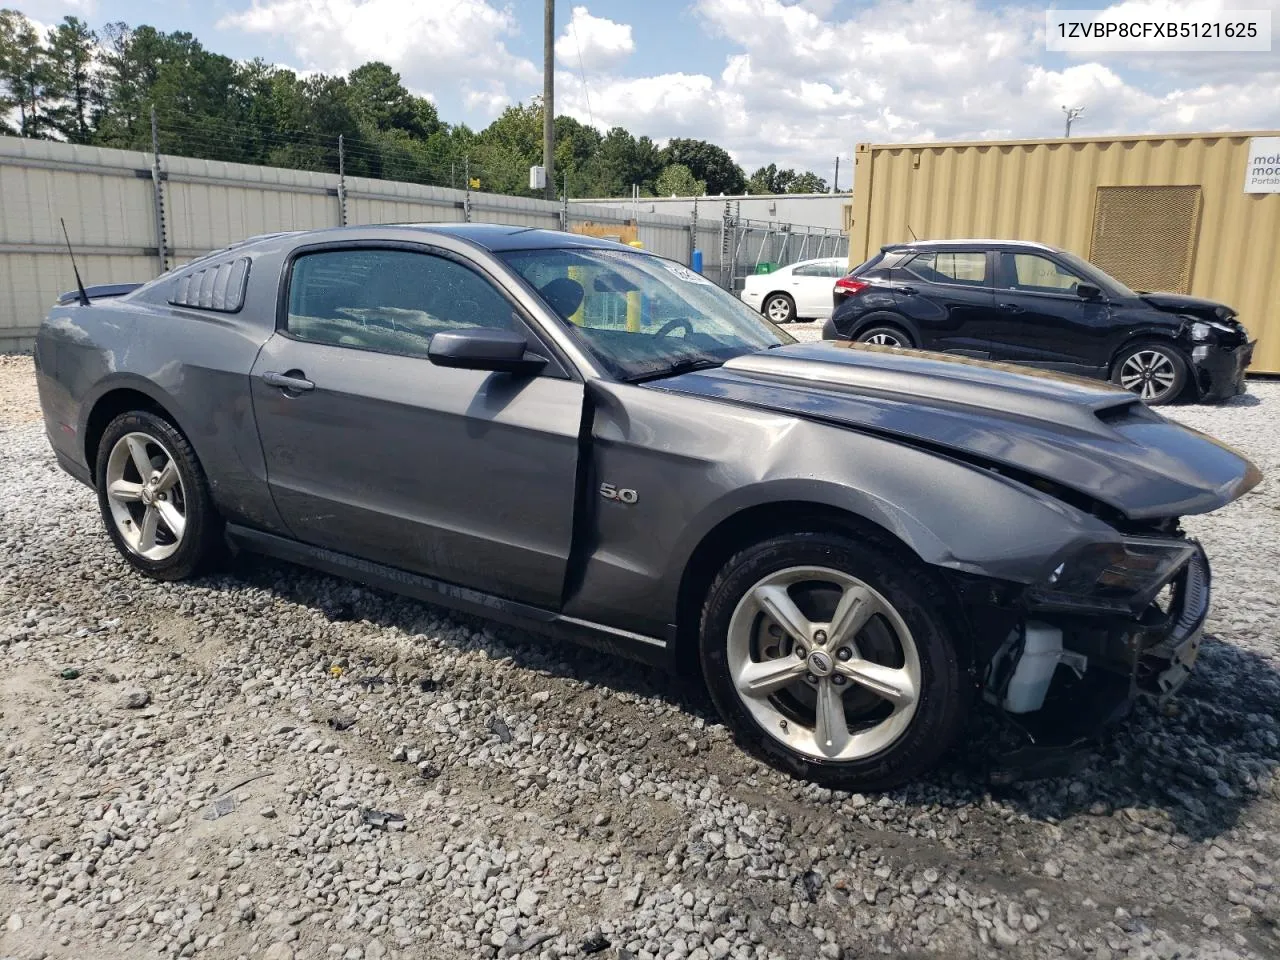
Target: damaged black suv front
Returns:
[[1215, 342]]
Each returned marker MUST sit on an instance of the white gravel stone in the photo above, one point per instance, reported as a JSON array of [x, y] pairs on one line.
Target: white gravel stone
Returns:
[[597, 821]]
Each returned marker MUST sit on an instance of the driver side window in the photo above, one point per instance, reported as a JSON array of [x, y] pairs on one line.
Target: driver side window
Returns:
[[389, 301]]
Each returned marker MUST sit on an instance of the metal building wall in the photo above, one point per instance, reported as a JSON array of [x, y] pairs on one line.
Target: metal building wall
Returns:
[[1046, 190], [107, 207]]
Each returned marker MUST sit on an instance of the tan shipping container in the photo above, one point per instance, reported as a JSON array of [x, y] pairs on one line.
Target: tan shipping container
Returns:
[[1157, 212]]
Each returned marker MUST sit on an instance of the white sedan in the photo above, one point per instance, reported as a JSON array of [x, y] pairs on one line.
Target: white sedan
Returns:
[[798, 291]]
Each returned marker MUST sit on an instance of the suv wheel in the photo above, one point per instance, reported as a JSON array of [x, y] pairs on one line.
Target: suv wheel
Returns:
[[831, 661], [1155, 372], [885, 336], [780, 308], [154, 497]]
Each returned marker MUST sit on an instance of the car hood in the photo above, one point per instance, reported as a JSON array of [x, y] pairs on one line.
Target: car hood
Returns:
[[1083, 435], [1191, 306]]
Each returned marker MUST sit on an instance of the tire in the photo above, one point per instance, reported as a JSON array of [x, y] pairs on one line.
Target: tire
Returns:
[[906, 632], [779, 308], [149, 480], [1156, 372], [887, 335]]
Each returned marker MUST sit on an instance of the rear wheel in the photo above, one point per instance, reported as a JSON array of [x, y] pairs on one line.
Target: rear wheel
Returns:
[[154, 497], [1155, 372], [831, 661], [886, 335], [780, 308]]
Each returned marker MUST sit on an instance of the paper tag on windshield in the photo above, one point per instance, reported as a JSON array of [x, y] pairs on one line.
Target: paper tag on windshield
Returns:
[[684, 273]]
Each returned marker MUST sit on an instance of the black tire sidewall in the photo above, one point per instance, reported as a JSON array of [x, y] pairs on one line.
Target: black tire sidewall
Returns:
[[201, 538], [945, 686], [1181, 369], [791, 307]]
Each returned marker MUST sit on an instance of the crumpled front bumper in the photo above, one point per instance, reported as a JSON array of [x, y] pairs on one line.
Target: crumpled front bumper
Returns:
[[1152, 654], [1167, 650], [1219, 371]]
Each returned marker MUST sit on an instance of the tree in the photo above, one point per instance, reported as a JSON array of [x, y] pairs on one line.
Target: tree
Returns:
[[677, 181], [808, 182], [770, 180], [70, 60], [380, 102], [707, 162], [24, 71]]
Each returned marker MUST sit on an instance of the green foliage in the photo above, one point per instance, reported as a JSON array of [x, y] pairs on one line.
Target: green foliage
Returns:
[[772, 180], [678, 181], [24, 71], [83, 87], [70, 56], [708, 163]]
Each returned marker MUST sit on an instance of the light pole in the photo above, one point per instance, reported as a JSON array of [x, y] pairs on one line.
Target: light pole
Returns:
[[1072, 113], [548, 97]]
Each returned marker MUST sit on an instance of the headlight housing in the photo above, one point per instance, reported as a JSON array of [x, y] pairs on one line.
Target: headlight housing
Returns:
[[1201, 330], [1120, 575]]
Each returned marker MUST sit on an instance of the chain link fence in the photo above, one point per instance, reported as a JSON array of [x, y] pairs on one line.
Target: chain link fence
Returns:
[[762, 246]]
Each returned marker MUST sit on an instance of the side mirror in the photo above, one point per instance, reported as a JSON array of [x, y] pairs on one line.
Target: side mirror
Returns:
[[1087, 291], [480, 348]]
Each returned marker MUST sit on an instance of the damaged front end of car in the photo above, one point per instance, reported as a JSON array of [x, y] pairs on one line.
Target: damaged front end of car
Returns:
[[1114, 621]]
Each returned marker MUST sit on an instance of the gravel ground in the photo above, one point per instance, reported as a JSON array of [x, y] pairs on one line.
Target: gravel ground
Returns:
[[189, 768]]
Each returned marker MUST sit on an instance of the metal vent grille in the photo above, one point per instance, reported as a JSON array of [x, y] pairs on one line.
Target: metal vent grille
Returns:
[[220, 288], [1146, 236]]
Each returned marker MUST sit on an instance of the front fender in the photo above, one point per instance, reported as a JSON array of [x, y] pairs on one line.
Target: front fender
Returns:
[[695, 463]]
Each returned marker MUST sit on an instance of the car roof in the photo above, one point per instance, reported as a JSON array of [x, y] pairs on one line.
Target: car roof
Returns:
[[923, 245], [498, 237]]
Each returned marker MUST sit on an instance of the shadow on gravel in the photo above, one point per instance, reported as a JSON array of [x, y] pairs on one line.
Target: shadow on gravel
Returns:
[[1190, 766]]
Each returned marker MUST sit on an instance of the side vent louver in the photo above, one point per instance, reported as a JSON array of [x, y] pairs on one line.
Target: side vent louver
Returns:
[[219, 287]]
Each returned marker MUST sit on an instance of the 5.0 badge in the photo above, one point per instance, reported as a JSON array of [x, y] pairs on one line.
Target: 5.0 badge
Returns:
[[621, 494]]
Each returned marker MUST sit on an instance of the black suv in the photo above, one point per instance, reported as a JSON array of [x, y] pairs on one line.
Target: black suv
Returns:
[[1035, 304]]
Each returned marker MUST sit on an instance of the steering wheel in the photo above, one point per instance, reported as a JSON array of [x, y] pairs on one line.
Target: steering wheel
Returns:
[[672, 325]]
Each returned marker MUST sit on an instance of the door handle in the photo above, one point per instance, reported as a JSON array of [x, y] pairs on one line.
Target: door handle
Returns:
[[909, 291], [1010, 307], [294, 381]]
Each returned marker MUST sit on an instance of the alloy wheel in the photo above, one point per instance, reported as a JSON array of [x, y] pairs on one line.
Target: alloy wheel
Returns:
[[145, 494], [824, 663], [1148, 373], [884, 339], [779, 310]]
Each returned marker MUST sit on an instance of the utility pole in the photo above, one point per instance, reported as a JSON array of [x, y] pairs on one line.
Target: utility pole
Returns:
[[549, 97], [1073, 113], [835, 181]]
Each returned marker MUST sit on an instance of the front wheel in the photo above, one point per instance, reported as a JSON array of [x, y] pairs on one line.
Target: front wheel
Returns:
[[831, 661], [1155, 372], [154, 497]]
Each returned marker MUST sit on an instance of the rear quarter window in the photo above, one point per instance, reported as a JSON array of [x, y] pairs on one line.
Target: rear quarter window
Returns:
[[219, 287]]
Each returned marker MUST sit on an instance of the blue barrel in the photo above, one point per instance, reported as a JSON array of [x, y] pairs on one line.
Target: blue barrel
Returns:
[[697, 261]]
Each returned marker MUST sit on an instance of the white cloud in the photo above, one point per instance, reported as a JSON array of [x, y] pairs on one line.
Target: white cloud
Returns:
[[804, 84], [593, 43], [432, 43]]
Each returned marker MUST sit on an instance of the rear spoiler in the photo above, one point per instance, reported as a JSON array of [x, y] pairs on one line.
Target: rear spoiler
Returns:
[[99, 292]]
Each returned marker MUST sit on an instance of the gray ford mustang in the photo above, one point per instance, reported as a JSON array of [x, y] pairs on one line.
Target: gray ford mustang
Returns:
[[854, 545]]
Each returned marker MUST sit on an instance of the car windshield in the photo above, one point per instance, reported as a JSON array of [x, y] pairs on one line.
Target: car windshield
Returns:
[[642, 316], [1096, 276]]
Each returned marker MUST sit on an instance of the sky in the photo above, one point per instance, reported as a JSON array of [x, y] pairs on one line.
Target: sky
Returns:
[[797, 82]]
